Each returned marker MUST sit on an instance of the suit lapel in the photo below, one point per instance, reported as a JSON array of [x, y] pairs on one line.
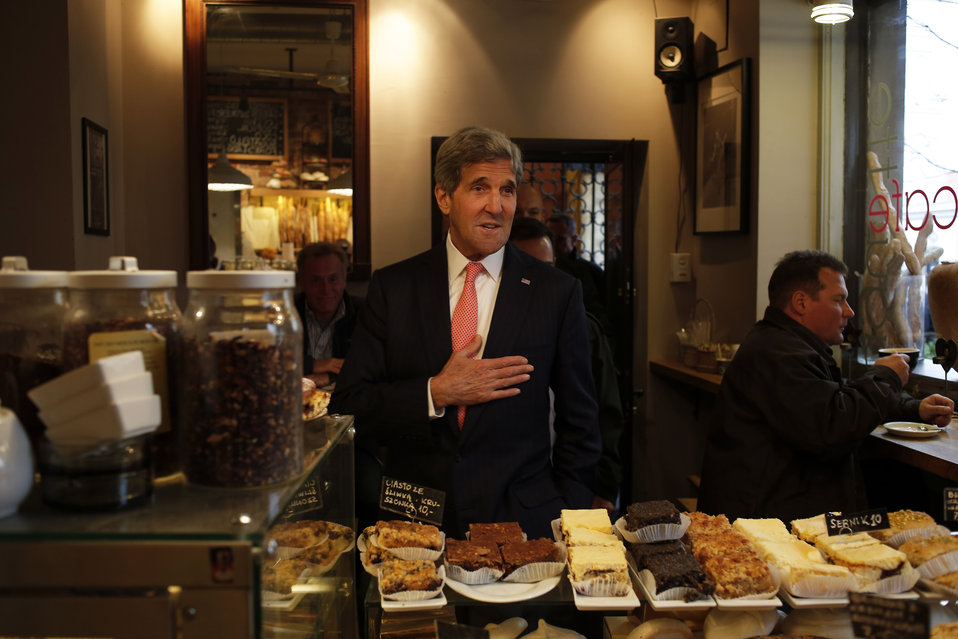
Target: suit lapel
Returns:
[[432, 288]]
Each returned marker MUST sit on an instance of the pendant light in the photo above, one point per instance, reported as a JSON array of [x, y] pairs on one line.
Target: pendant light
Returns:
[[827, 12], [224, 177]]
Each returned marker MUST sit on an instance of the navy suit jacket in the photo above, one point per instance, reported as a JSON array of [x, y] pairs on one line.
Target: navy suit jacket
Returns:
[[500, 466]]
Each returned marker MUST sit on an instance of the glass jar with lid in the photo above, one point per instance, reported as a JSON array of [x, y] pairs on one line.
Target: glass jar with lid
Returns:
[[241, 387], [123, 309], [32, 307]]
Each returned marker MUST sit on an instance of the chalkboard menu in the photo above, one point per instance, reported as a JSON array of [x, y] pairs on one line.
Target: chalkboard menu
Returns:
[[251, 129]]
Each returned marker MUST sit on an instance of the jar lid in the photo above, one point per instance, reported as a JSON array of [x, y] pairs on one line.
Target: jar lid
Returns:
[[122, 279], [240, 279], [16, 274]]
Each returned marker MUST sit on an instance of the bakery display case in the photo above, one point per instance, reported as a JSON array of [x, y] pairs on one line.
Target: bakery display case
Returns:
[[193, 561]]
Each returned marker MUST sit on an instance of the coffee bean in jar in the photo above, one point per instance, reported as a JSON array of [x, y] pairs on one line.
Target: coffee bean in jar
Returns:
[[241, 386], [123, 309], [32, 307]]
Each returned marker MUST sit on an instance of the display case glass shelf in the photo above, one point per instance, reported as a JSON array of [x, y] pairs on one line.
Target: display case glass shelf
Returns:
[[191, 562]]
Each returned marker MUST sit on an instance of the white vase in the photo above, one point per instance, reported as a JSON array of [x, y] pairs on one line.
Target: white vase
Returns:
[[16, 463]]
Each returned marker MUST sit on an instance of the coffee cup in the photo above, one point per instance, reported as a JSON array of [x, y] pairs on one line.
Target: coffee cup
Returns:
[[912, 354]]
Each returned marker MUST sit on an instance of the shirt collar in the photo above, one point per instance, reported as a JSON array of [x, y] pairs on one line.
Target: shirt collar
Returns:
[[457, 261]]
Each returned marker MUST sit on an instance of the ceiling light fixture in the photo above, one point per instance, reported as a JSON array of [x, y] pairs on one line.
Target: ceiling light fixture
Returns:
[[222, 176], [825, 12]]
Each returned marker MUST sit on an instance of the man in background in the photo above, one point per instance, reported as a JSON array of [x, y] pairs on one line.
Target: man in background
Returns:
[[529, 203], [564, 232], [786, 432], [328, 313], [533, 237]]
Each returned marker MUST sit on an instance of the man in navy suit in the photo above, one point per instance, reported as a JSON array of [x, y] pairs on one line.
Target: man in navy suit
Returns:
[[403, 382]]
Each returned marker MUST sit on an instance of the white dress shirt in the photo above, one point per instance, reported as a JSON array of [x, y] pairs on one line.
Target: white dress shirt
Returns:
[[487, 288]]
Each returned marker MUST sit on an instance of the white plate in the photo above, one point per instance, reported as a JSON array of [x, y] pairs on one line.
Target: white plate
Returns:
[[625, 602], [503, 592], [813, 602], [912, 429], [748, 604], [418, 604]]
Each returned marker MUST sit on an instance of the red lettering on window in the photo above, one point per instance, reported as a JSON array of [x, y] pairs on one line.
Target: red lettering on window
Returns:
[[883, 212], [955, 198], [908, 197]]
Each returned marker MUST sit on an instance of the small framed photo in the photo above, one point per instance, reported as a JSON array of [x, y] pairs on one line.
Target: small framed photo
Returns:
[[96, 183], [722, 166]]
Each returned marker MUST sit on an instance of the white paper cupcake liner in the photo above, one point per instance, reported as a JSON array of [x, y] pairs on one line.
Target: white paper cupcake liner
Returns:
[[532, 573], [601, 587], [287, 552], [819, 587], [917, 533], [416, 595], [942, 589], [940, 565], [671, 594], [902, 582], [472, 577], [656, 532]]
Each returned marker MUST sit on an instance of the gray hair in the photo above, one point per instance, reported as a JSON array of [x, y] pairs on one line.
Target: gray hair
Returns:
[[470, 145]]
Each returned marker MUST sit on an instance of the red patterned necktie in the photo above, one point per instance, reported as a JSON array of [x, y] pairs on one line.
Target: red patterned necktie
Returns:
[[465, 318]]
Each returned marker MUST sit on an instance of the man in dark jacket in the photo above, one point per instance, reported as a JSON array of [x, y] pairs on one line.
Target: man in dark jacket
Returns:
[[328, 312], [787, 428]]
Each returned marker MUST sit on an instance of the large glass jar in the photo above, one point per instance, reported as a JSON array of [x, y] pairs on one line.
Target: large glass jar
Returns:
[[242, 379], [32, 308], [123, 309]]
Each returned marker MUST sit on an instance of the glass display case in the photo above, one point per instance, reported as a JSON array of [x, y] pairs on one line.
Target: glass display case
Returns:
[[193, 561]]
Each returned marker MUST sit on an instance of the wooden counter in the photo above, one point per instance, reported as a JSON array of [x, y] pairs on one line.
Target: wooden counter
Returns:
[[709, 382], [937, 455]]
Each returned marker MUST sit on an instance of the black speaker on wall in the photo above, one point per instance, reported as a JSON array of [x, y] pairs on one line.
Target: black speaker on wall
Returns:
[[674, 54]]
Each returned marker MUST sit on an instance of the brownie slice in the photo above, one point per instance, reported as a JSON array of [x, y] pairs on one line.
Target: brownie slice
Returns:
[[472, 555], [648, 513], [497, 533], [640, 551], [520, 553], [677, 570]]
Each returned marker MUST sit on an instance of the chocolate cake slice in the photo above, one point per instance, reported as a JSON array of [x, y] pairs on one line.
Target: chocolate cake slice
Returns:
[[649, 513], [496, 533], [640, 551], [677, 570], [472, 555], [520, 553]]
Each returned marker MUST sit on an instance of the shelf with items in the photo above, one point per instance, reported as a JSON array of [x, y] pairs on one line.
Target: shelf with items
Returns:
[[273, 217], [192, 552]]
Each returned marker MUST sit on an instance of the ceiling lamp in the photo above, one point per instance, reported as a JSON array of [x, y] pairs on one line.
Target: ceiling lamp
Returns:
[[825, 12], [223, 177]]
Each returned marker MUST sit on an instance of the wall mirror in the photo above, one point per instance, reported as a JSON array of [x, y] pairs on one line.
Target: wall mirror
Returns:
[[277, 101]]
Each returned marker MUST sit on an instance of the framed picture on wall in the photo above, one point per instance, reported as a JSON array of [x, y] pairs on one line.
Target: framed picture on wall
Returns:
[[722, 163], [96, 187]]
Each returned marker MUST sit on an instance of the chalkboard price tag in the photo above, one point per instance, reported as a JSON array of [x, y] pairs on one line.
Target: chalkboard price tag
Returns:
[[307, 499], [446, 630], [879, 617], [862, 521], [418, 503], [951, 504]]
